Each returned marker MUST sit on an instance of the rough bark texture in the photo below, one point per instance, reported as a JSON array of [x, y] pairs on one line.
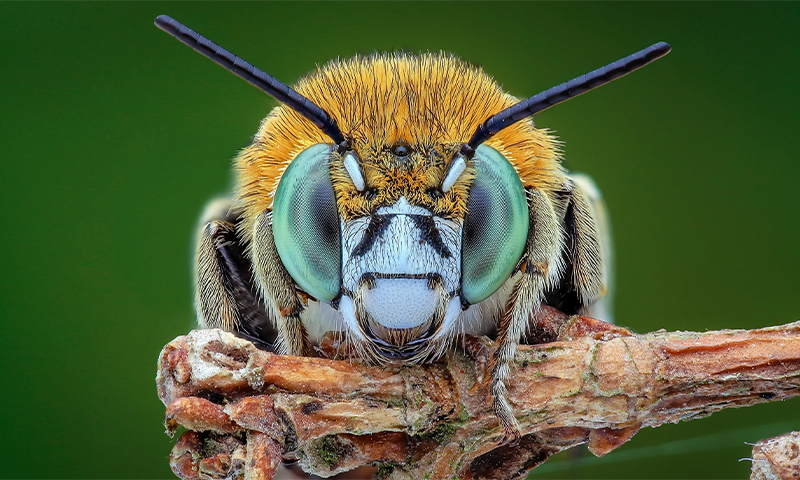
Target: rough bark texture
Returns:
[[777, 458], [590, 382]]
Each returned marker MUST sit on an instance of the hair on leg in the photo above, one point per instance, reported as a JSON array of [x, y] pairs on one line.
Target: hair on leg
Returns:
[[278, 289], [539, 267]]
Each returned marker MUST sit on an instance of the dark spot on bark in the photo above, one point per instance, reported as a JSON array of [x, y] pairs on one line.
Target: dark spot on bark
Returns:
[[509, 461], [212, 397], [311, 407], [290, 434]]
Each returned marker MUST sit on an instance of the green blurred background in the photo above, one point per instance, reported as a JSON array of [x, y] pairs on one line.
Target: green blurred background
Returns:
[[114, 136]]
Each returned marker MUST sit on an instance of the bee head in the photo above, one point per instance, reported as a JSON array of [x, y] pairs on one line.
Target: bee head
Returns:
[[379, 227]]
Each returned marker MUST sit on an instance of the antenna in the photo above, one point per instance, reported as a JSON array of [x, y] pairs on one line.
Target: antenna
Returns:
[[563, 92], [253, 75]]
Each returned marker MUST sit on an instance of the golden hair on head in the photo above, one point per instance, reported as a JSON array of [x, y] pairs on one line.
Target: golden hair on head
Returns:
[[431, 103]]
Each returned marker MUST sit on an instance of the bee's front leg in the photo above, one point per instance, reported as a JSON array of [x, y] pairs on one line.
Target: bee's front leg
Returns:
[[225, 297], [279, 289], [255, 299], [539, 268], [563, 254]]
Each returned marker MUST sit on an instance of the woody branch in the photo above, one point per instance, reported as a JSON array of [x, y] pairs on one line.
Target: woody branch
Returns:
[[589, 382]]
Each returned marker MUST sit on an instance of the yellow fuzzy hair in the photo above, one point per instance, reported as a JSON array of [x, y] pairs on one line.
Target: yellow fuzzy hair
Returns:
[[432, 102]]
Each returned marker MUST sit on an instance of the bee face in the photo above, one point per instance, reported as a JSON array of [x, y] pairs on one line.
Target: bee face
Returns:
[[381, 229]]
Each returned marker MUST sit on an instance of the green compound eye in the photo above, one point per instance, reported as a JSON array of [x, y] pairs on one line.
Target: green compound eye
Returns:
[[305, 224], [495, 227]]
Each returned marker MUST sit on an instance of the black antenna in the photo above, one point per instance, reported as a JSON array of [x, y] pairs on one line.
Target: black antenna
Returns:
[[252, 75], [563, 92]]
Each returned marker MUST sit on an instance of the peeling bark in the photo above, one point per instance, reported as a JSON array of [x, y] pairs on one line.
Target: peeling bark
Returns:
[[591, 382]]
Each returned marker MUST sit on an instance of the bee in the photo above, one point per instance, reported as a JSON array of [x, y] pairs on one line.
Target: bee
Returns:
[[401, 200]]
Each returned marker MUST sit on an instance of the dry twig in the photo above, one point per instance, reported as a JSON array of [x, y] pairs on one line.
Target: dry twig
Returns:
[[777, 458], [590, 382]]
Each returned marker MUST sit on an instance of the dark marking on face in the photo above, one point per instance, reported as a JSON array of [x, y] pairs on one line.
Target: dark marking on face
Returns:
[[434, 280], [430, 234], [394, 276], [377, 225], [368, 280]]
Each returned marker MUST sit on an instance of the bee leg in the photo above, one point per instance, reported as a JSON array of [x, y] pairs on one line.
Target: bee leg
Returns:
[[587, 262], [539, 267], [597, 293], [224, 295], [260, 344], [279, 289]]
